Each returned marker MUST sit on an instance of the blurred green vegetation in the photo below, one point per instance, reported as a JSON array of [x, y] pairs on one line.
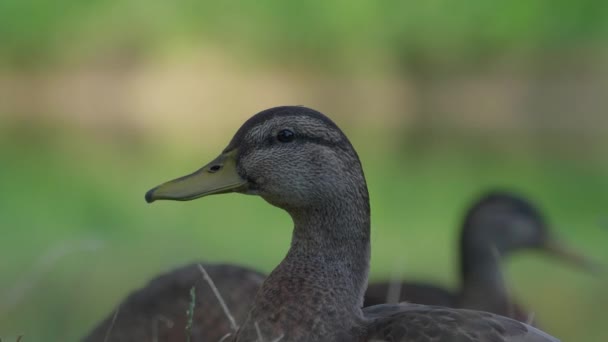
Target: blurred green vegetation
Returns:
[[431, 32], [77, 236]]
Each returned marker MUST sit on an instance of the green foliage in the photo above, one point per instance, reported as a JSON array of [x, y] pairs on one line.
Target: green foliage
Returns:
[[325, 32]]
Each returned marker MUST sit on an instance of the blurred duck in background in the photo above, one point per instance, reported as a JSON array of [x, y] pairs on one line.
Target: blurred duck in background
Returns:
[[497, 225], [159, 311]]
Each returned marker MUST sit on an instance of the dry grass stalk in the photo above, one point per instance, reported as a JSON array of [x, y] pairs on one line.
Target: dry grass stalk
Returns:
[[217, 294], [105, 339]]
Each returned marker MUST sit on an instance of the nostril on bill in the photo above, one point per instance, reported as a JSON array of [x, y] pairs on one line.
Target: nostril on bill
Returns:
[[215, 168]]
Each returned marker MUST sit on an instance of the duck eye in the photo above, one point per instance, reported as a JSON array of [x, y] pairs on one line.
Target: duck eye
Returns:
[[286, 136]]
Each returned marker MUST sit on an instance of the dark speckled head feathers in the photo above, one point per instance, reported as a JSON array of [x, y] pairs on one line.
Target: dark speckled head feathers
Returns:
[[327, 133], [305, 171]]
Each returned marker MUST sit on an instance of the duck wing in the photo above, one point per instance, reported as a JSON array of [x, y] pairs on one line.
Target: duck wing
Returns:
[[421, 323]]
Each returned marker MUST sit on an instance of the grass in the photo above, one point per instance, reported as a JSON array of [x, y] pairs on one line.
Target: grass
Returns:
[[109, 332], [190, 313], [217, 294], [67, 189]]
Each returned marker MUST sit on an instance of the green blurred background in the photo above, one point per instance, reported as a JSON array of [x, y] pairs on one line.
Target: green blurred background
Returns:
[[101, 100]]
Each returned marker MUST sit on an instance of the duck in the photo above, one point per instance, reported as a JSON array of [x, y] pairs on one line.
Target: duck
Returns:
[[297, 159], [158, 310], [495, 226]]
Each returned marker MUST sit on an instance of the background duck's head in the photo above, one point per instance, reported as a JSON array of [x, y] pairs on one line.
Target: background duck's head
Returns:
[[506, 223], [292, 156]]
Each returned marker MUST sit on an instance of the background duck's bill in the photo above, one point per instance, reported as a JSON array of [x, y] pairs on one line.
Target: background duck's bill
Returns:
[[573, 257]]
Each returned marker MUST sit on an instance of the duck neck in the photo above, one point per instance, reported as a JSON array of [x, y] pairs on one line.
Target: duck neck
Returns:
[[317, 290], [483, 284], [335, 242]]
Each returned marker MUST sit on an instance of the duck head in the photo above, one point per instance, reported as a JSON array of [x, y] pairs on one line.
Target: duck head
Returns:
[[506, 223], [293, 157]]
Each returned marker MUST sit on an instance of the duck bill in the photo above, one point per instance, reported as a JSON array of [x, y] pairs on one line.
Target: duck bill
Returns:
[[575, 258], [218, 177]]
